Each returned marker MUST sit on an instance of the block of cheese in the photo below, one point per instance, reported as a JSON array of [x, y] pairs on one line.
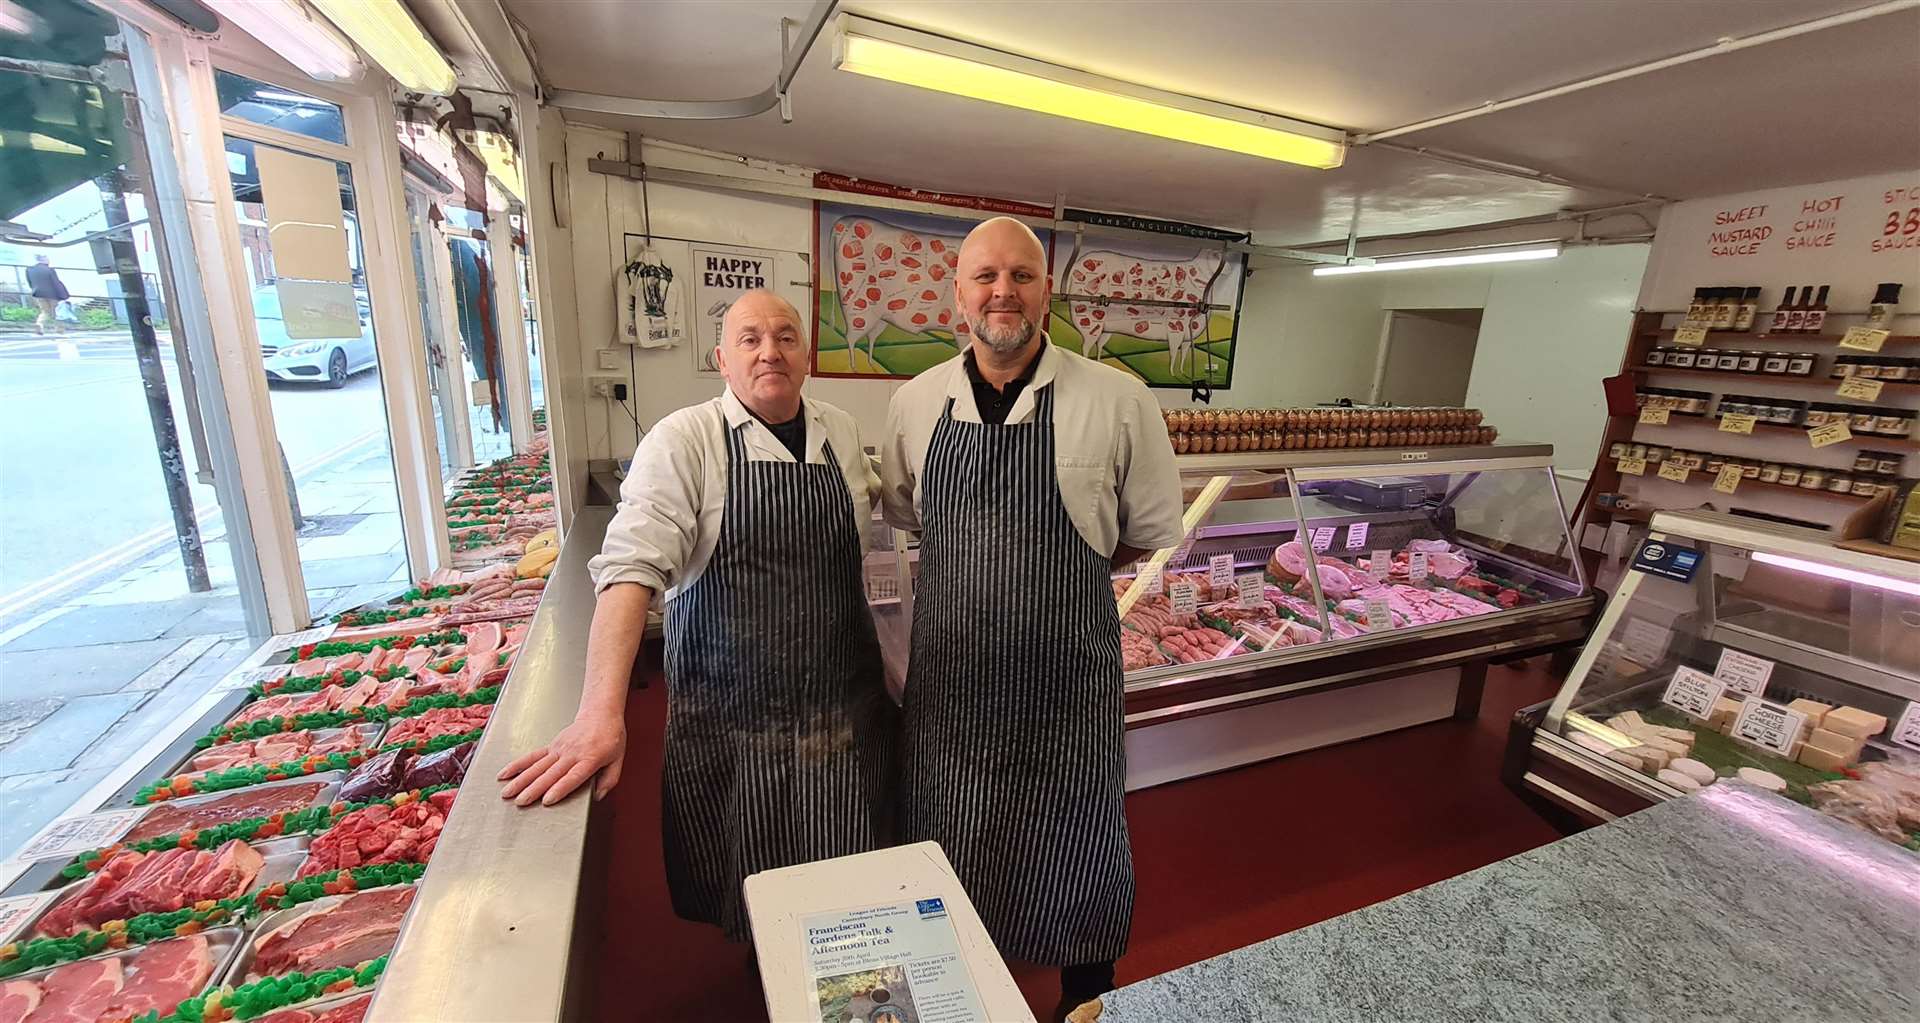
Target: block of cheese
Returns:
[[1629, 722], [1764, 779], [1620, 756], [1654, 757], [1723, 713], [1853, 721], [1678, 780], [1699, 772], [1837, 744], [1591, 742], [1821, 760], [1683, 736], [1813, 710], [1671, 748]]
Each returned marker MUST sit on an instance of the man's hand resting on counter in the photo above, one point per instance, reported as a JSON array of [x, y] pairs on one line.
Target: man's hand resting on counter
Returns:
[[550, 774]]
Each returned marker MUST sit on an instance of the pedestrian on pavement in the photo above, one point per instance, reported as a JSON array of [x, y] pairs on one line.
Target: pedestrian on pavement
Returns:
[[48, 293], [1030, 472]]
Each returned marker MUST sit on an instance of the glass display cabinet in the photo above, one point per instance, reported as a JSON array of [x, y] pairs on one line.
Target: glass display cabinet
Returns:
[[1320, 596], [1744, 650]]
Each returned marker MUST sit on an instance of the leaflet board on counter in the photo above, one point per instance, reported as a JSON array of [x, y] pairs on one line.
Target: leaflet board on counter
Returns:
[[15, 912], [70, 836]]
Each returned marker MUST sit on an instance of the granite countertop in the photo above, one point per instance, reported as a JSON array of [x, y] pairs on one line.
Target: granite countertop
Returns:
[[1733, 904]]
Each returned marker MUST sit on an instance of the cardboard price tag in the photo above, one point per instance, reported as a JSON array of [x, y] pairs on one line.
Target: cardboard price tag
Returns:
[[1323, 538], [1250, 590], [1220, 571], [296, 640], [1768, 725], [1734, 422], [1691, 336], [1829, 435], [1671, 470], [1864, 339], [1356, 536], [1183, 597], [1154, 580], [253, 677], [1692, 692], [1645, 641], [1906, 731], [1654, 416], [1631, 466], [1743, 673], [1380, 565], [1860, 389], [1727, 480], [1379, 615], [1417, 566], [18, 911], [70, 836]]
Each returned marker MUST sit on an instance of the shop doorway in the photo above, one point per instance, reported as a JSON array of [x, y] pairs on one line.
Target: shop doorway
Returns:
[[1426, 356]]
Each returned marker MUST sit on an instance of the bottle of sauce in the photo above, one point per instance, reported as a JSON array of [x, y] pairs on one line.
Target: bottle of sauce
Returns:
[[1815, 319], [1749, 306], [1783, 314], [1880, 313], [1726, 307], [1696, 310]]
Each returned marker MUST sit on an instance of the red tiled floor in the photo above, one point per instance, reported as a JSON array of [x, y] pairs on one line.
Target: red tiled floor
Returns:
[[1222, 861]]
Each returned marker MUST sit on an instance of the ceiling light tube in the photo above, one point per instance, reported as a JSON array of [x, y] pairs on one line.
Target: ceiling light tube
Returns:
[[1427, 262], [910, 57], [388, 33], [1850, 575], [289, 29]]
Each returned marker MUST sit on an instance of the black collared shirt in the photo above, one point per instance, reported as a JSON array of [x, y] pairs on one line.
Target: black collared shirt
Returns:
[[995, 404], [792, 433]]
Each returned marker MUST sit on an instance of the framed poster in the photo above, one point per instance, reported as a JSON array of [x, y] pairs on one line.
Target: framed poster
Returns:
[[709, 276], [1166, 311]]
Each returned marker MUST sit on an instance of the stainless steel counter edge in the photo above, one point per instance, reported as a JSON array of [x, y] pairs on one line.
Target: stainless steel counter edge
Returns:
[[491, 932]]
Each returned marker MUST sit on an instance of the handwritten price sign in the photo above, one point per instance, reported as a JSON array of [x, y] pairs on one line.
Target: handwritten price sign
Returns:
[[1860, 389], [1632, 466], [1693, 336], [1733, 422], [1674, 471], [1727, 480], [1654, 416], [1864, 339], [1828, 435]]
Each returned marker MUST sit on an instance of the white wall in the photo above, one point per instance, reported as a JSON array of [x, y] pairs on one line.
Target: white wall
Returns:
[[1428, 361]]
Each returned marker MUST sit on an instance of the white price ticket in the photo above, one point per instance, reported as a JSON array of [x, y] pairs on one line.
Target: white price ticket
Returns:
[[253, 677], [1220, 571], [1906, 731], [18, 911], [1693, 692], [70, 836], [1379, 615], [1183, 597], [1768, 725], [1153, 577], [1250, 590], [1645, 641], [1380, 565], [1417, 566], [1356, 536], [1743, 673], [296, 640], [1323, 538]]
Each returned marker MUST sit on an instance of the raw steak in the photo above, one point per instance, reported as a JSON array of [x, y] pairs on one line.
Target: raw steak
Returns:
[[275, 749], [164, 975], [18, 999], [132, 883], [359, 928], [346, 1012], [79, 992], [172, 818], [437, 722]]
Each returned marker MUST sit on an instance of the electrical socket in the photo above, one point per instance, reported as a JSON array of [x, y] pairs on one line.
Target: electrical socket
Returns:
[[603, 386]]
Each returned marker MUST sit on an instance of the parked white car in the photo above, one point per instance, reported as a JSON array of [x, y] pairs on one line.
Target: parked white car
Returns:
[[326, 360]]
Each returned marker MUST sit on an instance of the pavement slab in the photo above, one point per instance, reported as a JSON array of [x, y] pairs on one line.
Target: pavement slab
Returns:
[[89, 626], [349, 571], [79, 671], [16, 716], [58, 740]]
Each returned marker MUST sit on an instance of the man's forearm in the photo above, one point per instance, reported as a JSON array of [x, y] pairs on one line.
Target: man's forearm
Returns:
[[1123, 554], [619, 623]]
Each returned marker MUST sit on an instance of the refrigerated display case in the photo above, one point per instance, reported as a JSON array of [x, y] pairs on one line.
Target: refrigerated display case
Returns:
[[1740, 649], [1238, 647]]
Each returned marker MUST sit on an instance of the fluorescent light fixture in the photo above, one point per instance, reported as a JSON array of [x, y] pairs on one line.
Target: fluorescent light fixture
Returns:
[[1850, 575], [910, 57], [289, 29], [395, 41], [1426, 262]]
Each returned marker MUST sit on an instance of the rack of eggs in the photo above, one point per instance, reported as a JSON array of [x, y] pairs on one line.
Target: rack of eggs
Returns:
[[1207, 431]]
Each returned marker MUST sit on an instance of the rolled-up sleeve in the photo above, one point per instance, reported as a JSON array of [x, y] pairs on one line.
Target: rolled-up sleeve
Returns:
[[1145, 477], [898, 474], [655, 529]]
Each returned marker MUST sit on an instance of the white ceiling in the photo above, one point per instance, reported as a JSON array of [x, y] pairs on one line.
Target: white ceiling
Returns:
[[1818, 107]]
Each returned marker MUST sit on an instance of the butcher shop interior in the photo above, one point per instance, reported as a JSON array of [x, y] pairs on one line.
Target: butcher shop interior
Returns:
[[1501, 464]]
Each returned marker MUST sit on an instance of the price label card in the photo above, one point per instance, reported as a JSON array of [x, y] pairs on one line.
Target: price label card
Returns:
[[1184, 597], [1727, 480], [1672, 470], [1743, 673], [1152, 573], [1693, 336], [1632, 466], [1251, 590], [1380, 565], [1861, 389], [1645, 641], [17, 912], [1906, 731], [1864, 339], [1183, 552], [1379, 615], [253, 677], [70, 836], [1356, 536], [1692, 692], [1768, 725], [1220, 571], [1417, 566], [1828, 435], [1734, 422], [1655, 416], [1323, 538], [296, 640]]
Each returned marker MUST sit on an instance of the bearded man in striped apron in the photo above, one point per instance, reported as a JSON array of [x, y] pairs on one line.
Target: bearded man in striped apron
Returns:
[[1029, 472], [749, 513]]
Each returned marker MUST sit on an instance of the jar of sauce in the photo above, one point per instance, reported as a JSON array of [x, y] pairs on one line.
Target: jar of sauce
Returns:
[[1789, 475], [1749, 362], [1887, 462], [1893, 424], [1840, 483], [1682, 358], [1865, 486], [1770, 472], [1812, 478], [1656, 356], [1800, 364]]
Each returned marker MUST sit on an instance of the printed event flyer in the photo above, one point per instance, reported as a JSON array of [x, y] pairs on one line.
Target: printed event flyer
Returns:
[[894, 963]]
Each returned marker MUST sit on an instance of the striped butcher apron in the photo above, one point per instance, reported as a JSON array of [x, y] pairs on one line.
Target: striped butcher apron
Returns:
[[1013, 756], [780, 735]]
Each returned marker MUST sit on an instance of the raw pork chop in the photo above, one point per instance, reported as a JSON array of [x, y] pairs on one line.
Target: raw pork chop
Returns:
[[79, 992], [346, 1012], [18, 999], [359, 928], [164, 975]]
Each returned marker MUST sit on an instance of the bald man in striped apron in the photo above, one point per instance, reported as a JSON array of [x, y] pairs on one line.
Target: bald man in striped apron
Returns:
[[1029, 472]]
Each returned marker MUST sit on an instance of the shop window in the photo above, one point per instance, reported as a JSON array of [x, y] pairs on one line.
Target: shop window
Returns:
[[274, 106]]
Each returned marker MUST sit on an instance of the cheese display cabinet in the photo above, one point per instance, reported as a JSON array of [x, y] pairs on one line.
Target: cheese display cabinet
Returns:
[[1739, 649], [1426, 565]]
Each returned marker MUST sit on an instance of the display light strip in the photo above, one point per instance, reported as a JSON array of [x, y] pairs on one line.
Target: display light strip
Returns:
[[1427, 262], [395, 41], [1850, 575], [910, 57], [289, 29]]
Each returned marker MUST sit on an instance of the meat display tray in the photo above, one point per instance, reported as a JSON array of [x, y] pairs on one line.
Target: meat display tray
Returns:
[[330, 786], [222, 944], [369, 738], [280, 920], [281, 861]]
